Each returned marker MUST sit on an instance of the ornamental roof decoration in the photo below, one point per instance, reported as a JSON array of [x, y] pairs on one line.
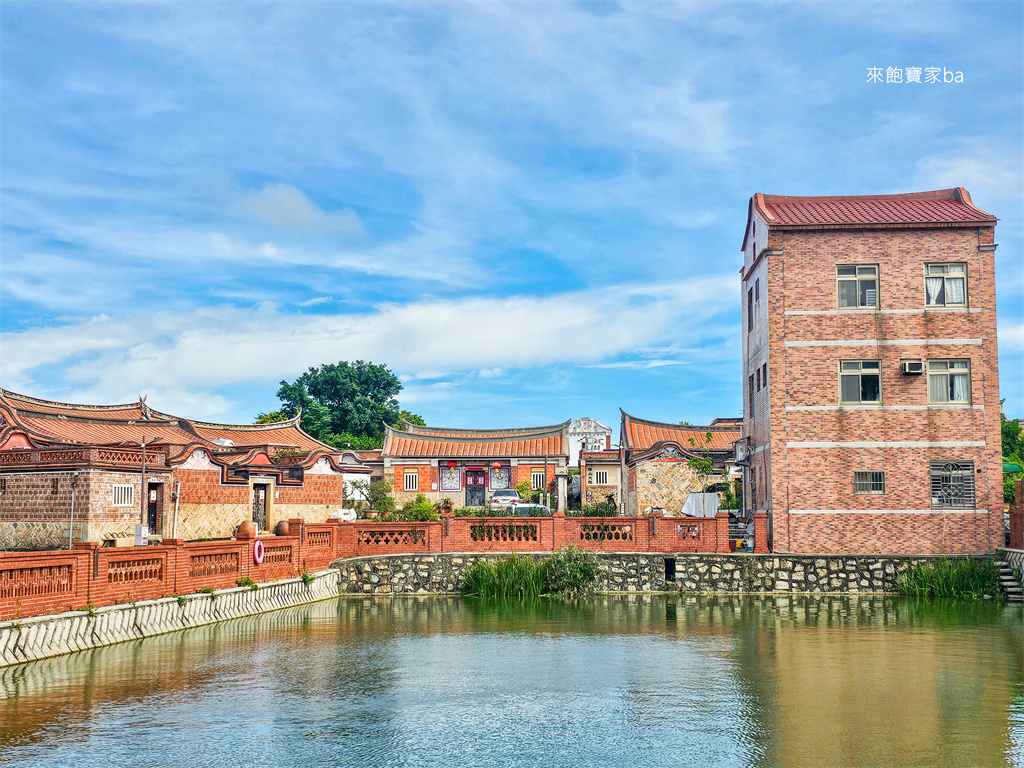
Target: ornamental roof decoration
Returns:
[[443, 442], [938, 208], [48, 423], [588, 426], [644, 440]]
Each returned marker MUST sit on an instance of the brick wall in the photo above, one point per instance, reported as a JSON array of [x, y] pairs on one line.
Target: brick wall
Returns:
[[810, 492]]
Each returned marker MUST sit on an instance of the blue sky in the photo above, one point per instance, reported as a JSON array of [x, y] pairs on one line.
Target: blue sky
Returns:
[[529, 211]]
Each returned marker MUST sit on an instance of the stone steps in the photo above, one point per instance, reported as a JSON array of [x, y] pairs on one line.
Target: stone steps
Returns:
[[1009, 583]]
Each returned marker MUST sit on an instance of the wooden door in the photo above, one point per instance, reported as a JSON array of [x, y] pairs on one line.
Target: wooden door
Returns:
[[259, 507], [152, 498], [476, 490]]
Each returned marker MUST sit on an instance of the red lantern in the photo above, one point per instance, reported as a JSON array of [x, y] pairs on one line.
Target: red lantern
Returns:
[[496, 465], [451, 465]]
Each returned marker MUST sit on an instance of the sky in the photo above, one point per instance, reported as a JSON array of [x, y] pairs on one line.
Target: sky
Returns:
[[529, 211]]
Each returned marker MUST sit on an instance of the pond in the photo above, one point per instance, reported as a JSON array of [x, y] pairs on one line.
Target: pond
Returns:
[[634, 680]]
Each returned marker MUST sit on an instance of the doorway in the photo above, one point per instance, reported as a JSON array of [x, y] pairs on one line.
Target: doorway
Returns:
[[476, 490], [259, 506], [152, 502]]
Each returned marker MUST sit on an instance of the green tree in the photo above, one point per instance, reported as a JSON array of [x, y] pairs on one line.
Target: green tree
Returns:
[[271, 417], [703, 467], [412, 418], [1013, 451]]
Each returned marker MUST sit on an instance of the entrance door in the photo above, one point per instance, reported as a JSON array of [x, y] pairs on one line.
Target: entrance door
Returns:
[[151, 502], [259, 507], [475, 488]]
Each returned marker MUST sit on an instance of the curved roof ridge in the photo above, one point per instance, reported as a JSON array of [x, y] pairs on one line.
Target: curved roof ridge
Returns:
[[419, 429], [292, 422], [553, 431], [16, 397], [684, 427]]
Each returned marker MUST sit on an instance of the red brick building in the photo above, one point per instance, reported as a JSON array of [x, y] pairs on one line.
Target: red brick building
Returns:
[[871, 392], [468, 465], [76, 471]]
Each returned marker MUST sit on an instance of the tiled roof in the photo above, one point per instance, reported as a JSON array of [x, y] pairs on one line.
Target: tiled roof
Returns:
[[286, 434], [436, 442], [941, 207], [105, 432], [640, 435], [472, 433], [136, 410]]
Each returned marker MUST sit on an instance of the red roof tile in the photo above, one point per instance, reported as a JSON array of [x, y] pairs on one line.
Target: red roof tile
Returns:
[[945, 206], [437, 442], [639, 435]]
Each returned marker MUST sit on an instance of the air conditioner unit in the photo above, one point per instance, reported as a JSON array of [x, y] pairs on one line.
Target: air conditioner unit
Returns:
[[912, 367]]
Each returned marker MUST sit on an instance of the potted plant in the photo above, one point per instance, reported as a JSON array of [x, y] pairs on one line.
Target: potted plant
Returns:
[[444, 505]]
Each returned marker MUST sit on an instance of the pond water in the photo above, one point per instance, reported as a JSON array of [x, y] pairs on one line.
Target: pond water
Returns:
[[612, 681]]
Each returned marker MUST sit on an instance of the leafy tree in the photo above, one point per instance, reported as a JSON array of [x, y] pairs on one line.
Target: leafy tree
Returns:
[[377, 494], [1013, 451], [703, 467], [412, 418], [343, 404]]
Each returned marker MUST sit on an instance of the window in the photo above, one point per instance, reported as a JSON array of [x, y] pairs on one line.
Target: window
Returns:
[[601, 477], [860, 381], [757, 290], [764, 375], [412, 480], [123, 495], [750, 396], [750, 310], [945, 285], [952, 484], [869, 482], [858, 286], [949, 381], [758, 379], [537, 478]]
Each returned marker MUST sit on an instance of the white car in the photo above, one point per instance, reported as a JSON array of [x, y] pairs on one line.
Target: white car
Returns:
[[504, 499]]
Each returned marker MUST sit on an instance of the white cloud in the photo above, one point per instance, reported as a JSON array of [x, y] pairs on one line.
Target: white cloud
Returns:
[[1011, 338], [282, 206], [183, 359]]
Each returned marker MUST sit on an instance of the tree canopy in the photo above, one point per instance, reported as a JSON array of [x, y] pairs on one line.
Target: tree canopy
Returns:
[[343, 404]]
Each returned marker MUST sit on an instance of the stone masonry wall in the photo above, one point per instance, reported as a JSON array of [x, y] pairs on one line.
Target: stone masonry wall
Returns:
[[835, 574]]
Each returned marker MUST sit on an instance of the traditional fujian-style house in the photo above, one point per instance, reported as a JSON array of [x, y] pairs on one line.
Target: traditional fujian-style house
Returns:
[[654, 458], [76, 471], [600, 477], [468, 465]]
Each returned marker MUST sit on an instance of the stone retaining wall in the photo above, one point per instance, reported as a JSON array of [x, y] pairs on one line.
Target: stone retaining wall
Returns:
[[54, 634], [832, 574]]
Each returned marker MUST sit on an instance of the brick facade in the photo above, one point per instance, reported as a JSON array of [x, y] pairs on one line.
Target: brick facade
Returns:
[[804, 445]]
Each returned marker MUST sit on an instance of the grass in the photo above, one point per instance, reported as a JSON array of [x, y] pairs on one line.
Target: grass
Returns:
[[569, 573], [206, 590], [245, 581], [306, 576], [958, 577]]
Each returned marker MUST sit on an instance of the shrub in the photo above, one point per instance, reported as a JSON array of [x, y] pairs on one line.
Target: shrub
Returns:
[[181, 600], [306, 576], [206, 590], [572, 572], [419, 511], [245, 581], [600, 509], [962, 577]]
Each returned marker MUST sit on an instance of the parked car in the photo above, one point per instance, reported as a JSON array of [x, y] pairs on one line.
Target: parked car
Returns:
[[504, 499], [531, 510]]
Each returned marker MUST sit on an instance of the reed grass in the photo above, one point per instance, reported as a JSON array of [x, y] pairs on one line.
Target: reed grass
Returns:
[[570, 572], [958, 577]]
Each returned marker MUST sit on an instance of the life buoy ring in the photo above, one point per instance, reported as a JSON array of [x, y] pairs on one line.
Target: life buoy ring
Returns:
[[257, 552]]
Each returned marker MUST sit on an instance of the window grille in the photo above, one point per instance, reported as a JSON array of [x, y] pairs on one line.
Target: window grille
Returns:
[[601, 477], [869, 482], [857, 285], [123, 495], [537, 480], [412, 480], [952, 484]]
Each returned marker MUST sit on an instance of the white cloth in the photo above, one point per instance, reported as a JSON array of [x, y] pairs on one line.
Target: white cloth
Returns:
[[701, 505]]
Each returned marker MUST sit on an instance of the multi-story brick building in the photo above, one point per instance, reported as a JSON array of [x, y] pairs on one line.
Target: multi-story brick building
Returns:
[[468, 465], [77, 472], [871, 390]]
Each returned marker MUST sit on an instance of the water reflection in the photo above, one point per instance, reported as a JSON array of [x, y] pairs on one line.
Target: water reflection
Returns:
[[616, 680]]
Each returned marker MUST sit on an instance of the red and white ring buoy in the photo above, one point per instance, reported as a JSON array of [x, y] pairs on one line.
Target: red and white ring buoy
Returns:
[[257, 552]]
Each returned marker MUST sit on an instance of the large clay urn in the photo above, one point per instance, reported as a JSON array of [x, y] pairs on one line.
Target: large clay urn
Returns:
[[283, 529], [246, 530]]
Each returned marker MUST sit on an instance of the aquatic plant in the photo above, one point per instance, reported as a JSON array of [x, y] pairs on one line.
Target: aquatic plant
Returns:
[[568, 573], [960, 577]]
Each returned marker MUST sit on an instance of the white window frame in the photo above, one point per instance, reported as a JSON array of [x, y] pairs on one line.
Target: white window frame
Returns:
[[869, 482], [411, 480], [538, 473], [945, 272], [943, 370], [123, 495], [860, 368], [860, 272], [600, 477]]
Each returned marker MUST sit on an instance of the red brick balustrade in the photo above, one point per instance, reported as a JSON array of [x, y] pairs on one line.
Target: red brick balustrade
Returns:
[[48, 582]]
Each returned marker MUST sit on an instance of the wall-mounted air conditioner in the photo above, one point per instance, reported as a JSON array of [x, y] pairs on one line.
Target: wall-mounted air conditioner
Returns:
[[911, 367]]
